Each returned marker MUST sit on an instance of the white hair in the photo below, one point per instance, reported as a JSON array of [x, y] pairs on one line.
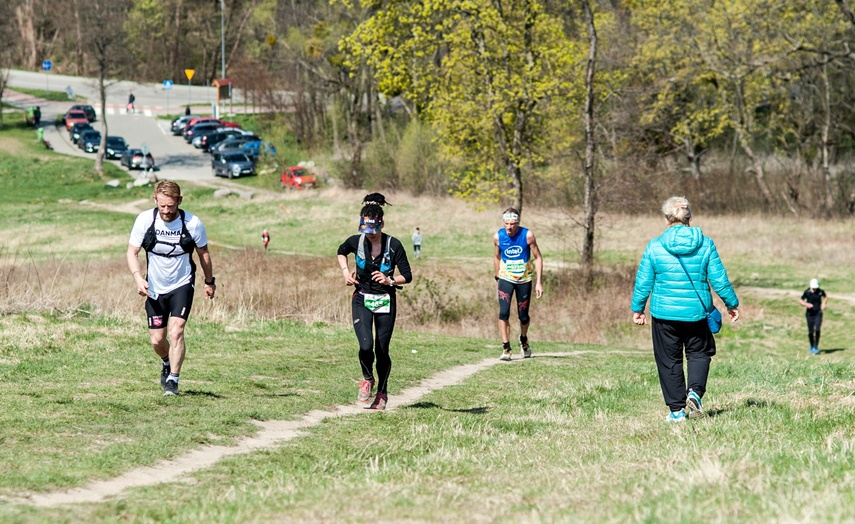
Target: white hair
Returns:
[[677, 210]]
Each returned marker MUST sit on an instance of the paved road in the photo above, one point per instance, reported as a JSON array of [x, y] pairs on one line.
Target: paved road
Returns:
[[175, 158], [149, 97]]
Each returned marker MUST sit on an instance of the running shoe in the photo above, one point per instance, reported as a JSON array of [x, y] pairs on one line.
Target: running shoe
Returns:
[[814, 350], [524, 348], [506, 354], [676, 416], [694, 406], [379, 403], [170, 389], [365, 389], [164, 374]]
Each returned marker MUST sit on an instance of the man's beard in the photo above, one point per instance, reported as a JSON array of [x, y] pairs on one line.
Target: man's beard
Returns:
[[169, 217]]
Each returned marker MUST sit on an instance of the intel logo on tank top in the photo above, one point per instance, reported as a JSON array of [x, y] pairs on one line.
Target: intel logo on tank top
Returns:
[[513, 251]]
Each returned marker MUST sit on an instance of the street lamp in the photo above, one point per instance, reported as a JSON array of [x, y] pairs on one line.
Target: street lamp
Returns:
[[223, 34]]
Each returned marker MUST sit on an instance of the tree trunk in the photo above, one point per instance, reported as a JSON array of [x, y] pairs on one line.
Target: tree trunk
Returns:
[[24, 15], [4, 79], [334, 120], [756, 166], [79, 55], [590, 150], [102, 93], [826, 125]]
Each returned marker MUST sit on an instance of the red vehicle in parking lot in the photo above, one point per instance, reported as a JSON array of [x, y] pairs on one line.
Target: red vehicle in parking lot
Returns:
[[297, 178], [196, 120], [73, 117]]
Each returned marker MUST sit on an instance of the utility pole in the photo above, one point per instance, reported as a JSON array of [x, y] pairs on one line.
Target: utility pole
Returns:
[[223, 34]]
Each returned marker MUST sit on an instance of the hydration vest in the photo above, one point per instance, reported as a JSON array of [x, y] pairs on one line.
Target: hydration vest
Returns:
[[385, 264], [185, 242]]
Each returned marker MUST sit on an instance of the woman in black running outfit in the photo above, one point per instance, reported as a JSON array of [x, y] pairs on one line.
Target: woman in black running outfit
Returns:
[[373, 304]]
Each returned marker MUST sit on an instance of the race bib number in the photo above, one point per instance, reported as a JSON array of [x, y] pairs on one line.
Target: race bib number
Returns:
[[378, 303], [515, 267]]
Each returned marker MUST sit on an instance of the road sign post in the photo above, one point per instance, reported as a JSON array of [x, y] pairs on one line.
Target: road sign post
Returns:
[[47, 65], [167, 86], [189, 74]]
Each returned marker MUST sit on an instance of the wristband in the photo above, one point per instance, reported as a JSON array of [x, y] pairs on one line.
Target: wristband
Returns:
[[212, 282], [496, 277]]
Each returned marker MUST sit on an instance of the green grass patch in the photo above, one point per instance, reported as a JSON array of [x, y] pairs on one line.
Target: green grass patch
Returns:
[[54, 96], [578, 436]]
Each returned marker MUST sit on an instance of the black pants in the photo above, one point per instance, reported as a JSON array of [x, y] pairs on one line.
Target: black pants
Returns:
[[814, 323], [506, 292], [670, 339], [364, 322]]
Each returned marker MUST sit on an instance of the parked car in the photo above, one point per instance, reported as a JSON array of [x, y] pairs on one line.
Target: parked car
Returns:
[[199, 119], [88, 110], [89, 141], [116, 146], [232, 165], [219, 136], [76, 129], [236, 142], [297, 178], [177, 126], [256, 148], [134, 159], [73, 117], [228, 123], [191, 131], [200, 134]]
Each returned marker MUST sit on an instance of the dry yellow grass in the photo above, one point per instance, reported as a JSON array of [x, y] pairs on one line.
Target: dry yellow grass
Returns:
[[451, 294]]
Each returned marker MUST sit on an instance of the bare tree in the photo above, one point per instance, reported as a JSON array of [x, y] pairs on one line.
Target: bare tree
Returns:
[[590, 150], [7, 32], [105, 49]]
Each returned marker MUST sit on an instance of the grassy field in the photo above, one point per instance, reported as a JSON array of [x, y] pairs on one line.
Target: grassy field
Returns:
[[576, 434]]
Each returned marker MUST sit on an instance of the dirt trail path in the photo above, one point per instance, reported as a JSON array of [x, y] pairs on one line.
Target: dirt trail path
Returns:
[[766, 292], [270, 434]]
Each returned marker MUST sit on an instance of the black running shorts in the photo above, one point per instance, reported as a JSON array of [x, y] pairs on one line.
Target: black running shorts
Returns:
[[176, 303]]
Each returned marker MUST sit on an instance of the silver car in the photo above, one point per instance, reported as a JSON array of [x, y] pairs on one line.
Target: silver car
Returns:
[[232, 164]]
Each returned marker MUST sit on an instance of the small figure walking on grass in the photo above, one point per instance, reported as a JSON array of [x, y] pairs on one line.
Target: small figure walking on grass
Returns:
[[417, 242], [265, 239], [814, 301]]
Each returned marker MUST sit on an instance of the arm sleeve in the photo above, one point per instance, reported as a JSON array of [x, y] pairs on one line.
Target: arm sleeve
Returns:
[[401, 262], [348, 246], [643, 281], [197, 231], [141, 225], [718, 279]]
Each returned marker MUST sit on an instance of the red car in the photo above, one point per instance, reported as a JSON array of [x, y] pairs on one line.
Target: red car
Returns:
[[297, 178], [198, 119], [74, 117]]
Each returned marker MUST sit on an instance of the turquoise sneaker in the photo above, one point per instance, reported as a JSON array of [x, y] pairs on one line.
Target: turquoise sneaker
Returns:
[[676, 416], [694, 406], [814, 350]]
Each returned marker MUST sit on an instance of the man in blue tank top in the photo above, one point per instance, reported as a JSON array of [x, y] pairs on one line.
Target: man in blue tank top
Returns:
[[517, 261]]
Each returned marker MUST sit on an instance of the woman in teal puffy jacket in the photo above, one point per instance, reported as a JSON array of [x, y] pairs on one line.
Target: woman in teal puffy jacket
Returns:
[[679, 300]]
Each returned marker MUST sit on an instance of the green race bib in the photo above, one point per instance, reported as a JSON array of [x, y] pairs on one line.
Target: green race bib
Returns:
[[378, 303]]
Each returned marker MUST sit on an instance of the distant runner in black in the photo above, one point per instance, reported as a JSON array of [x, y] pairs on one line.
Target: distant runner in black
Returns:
[[814, 301]]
